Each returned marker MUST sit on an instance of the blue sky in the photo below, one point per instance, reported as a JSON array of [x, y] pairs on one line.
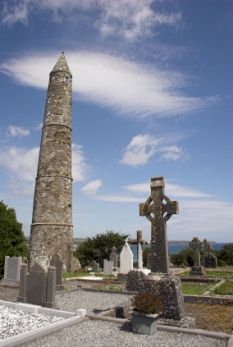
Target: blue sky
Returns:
[[152, 96]]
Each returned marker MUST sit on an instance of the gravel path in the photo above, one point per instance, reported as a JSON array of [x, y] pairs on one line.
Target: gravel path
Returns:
[[89, 300], [105, 334]]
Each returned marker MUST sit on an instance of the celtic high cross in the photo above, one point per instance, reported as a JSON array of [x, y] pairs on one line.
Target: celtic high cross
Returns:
[[158, 209]]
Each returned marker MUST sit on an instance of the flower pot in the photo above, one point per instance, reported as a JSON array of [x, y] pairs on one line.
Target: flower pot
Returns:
[[145, 324]]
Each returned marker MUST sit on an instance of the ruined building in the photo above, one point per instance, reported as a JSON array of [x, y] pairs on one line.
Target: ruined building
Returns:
[[51, 229]]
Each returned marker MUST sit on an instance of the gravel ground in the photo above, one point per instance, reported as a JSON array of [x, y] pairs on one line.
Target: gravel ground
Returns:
[[105, 334], [89, 300], [13, 322]]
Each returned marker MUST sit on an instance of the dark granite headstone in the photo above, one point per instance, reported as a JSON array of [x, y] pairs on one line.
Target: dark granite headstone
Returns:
[[158, 209], [58, 264], [36, 286]]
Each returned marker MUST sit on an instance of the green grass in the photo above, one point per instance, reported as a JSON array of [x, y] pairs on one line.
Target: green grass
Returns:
[[219, 274], [194, 288], [74, 274], [225, 289], [81, 274], [118, 288]]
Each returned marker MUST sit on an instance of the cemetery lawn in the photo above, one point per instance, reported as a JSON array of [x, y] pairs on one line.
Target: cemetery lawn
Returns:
[[225, 289], [193, 288], [219, 274], [211, 317], [81, 274]]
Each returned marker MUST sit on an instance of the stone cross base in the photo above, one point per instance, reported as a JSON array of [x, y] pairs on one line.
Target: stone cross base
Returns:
[[197, 271]]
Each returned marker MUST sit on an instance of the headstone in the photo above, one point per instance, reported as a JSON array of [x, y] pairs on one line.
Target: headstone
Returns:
[[126, 259], [12, 270], [210, 259], [158, 209], [140, 256], [114, 257], [37, 287], [23, 283], [108, 267], [196, 246], [58, 264], [95, 266]]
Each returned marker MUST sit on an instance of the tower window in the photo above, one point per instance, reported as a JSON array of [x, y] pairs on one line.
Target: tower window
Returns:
[[66, 80]]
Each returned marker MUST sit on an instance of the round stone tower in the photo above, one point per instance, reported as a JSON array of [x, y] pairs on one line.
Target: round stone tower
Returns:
[[52, 229]]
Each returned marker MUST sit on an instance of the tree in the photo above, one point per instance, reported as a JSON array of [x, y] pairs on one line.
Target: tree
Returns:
[[99, 247], [13, 242], [225, 255], [184, 257]]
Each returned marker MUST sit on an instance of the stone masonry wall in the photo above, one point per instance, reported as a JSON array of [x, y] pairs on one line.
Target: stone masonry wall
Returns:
[[51, 230]]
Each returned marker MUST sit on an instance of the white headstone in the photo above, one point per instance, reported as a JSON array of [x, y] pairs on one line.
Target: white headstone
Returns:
[[12, 269], [108, 267], [140, 258], [126, 259]]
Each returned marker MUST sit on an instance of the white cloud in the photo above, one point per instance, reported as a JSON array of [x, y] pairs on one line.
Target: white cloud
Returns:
[[117, 198], [139, 150], [21, 162], [171, 153], [130, 88], [15, 131], [142, 147], [13, 13], [128, 19], [92, 187], [175, 190], [79, 166]]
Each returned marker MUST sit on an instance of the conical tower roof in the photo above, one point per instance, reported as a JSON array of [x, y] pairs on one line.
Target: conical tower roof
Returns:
[[61, 64]]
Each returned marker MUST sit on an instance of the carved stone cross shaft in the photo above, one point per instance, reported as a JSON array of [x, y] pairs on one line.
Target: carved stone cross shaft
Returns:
[[158, 209]]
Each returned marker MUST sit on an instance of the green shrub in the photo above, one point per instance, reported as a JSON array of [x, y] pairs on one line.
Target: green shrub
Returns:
[[147, 302]]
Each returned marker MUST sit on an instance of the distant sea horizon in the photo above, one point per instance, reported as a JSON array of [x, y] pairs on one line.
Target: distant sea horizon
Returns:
[[176, 247]]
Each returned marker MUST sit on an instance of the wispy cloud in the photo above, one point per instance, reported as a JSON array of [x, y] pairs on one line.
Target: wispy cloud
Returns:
[[79, 165], [128, 87], [21, 165], [92, 187], [117, 198], [127, 19], [143, 146], [139, 150], [174, 190], [171, 153], [15, 131]]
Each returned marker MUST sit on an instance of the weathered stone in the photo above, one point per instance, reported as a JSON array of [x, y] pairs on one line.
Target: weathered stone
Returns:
[[140, 255], [126, 259], [114, 257], [196, 246], [12, 269], [23, 283], [210, 260], [95, 266], [135, 281], [37, 287], [108, 267], [139, 236], [158, 209], [51, 229], [58, 264]]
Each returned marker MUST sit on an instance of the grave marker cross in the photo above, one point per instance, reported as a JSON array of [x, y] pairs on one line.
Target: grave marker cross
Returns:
[[158, 208]]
